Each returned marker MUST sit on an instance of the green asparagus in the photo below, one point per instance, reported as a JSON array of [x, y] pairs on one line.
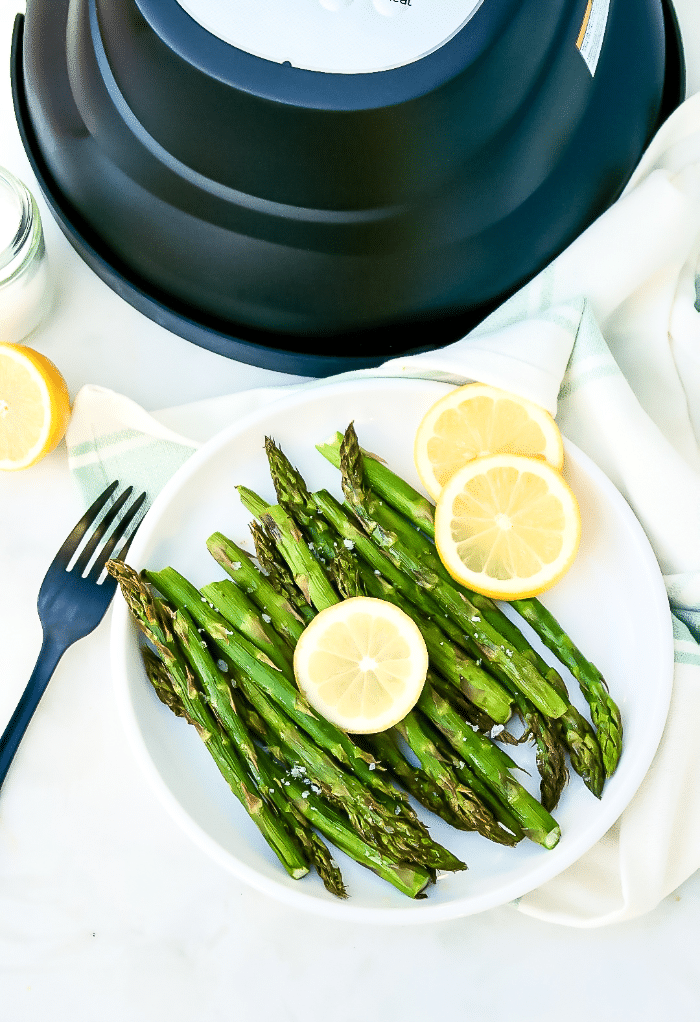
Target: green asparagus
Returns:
[[572, 729], [152, 617], [606, 715], [277, 684], [239, 565], [492, 766]]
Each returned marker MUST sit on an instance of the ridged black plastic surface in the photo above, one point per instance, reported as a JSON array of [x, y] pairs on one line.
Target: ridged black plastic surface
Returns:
[[316, 222]]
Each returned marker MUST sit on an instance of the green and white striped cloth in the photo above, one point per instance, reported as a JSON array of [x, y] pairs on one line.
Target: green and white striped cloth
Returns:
[[608, 338]]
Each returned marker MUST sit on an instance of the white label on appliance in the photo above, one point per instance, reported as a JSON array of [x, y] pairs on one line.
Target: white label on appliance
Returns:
[[341, 36], [590, 38]]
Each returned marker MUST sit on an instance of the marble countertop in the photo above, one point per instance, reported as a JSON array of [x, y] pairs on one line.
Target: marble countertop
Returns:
[[107, 910]]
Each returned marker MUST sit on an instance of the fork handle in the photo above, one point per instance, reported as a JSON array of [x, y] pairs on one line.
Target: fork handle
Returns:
[[49, 655]]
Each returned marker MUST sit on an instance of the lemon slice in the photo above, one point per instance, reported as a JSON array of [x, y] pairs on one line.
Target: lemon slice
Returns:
[[507, 526], [34, 406], [476, 420], [361, 664]]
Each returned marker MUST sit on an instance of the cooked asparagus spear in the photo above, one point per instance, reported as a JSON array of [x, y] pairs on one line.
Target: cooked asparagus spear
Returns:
[[318, 854], [466, 775], [409, 879], [278, 571], [411, 579], [413, 505], [492, 766], [153, 621], [313, 847], [235, 606], [226, 705], [218, 690], [414, 779], [279, 685], [261, 588], [571, 729], [306, 570], [391, 487], [377, 822], [254, 667], [445, 657], [462, 800], [549, 752], [605, 713], [294, 496]]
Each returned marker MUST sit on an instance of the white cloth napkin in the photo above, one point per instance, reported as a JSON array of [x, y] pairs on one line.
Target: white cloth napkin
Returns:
[[608, 338]]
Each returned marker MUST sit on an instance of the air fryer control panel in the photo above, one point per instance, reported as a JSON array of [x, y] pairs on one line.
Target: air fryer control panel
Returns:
[[341, 36]]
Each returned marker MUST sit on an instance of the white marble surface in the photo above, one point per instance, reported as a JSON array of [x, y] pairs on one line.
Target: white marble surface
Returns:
[[107, 912]]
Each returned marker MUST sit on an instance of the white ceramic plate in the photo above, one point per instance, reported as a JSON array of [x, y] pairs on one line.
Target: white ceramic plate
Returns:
[[613, 590]]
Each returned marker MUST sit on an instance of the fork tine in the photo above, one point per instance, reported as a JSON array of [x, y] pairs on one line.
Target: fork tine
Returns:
[[71, 543], [101, 531], [121, 555], [118, 533]]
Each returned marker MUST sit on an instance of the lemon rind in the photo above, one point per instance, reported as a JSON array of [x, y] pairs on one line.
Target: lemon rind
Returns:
[[533, 585], [54, 417], [418, 657], [555, 444]]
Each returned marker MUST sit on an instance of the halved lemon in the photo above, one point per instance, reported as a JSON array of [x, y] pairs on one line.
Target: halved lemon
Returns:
[[361, 664], [34, 406], [507, 526], [477, 420]]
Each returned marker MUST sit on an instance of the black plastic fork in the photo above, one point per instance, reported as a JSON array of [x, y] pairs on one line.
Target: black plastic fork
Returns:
[[71, 603]]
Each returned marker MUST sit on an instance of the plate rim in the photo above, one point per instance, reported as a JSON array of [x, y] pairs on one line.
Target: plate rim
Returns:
[[412, 912]]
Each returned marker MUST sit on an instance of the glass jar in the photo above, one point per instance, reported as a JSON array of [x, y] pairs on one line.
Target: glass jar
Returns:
[[25, 292]]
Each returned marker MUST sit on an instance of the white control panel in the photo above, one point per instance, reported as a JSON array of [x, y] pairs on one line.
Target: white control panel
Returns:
[[341, 36]]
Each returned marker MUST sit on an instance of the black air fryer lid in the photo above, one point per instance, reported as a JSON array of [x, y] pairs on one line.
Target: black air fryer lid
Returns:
[[320, 187]]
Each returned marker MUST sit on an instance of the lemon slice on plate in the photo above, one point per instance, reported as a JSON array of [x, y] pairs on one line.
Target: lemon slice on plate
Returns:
[[361, 664], [34, 406], [476, 420], [507, 526]]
